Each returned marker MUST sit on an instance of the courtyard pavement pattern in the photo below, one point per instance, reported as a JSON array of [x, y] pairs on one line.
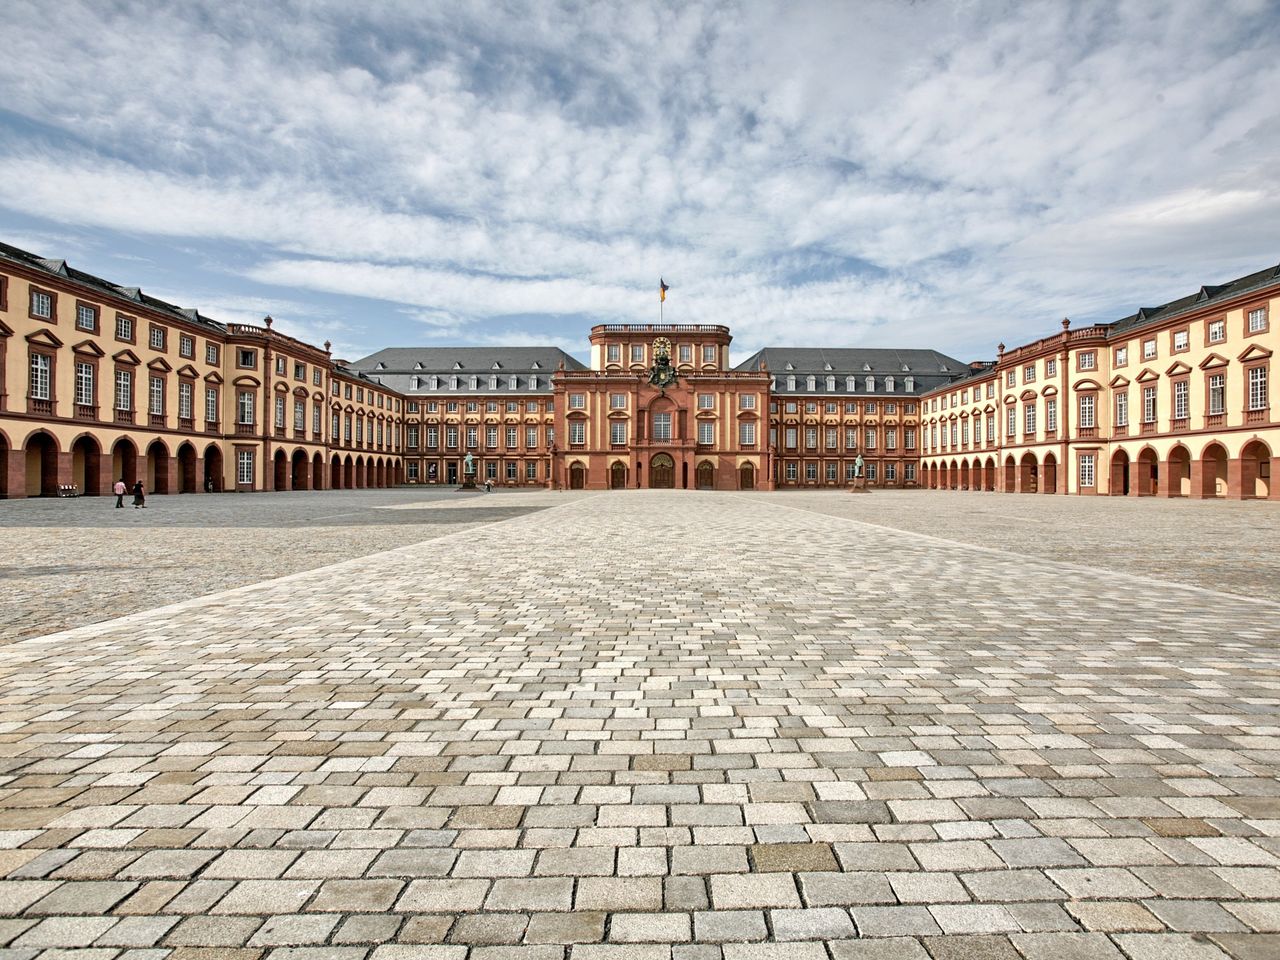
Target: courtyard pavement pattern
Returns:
[[657, 726]]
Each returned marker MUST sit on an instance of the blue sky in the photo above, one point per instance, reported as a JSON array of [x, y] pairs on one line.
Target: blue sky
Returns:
[[933, 174]]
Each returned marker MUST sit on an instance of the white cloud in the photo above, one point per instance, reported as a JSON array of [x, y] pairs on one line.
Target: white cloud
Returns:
[[916, 174]]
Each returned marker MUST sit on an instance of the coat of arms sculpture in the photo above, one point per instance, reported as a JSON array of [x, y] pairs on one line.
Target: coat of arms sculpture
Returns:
[[662, 374]]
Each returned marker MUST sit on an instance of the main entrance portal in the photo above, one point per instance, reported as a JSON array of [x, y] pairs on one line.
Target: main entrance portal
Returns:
[[662, 472]]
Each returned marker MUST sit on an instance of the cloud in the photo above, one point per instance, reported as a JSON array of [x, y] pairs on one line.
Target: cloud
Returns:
[[930, 174]]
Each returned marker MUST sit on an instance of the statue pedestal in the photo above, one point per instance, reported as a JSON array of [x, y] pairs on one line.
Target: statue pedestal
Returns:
[[860, 486], [468, 483]]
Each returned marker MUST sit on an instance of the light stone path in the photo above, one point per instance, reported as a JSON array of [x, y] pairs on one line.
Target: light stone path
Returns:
[[652, 725]]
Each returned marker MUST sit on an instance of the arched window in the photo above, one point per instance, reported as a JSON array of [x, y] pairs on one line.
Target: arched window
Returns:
[[871, 384]]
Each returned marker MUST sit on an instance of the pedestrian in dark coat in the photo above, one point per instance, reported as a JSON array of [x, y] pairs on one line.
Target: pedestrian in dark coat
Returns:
[[139, 496]]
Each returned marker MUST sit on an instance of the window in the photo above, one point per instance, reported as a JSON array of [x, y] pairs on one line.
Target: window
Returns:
[[1148, 349], [299, 415], [513, 437], [746, 401], [1122, 356], [891, 437], [1011, 378], [491, 437], [86, 317], [577, 432], [909, 472], [637, 353], [473, 437], [317, 414], [1217, 394], [909, 384], [617, 401], [871, 406], [300, 371], [1029, 373], [791, 435], [156, 394], [1149, 404], [890, 472], [511, 470], [244, 407], [1217, 331], [747, 434], [871, 439], [185, 399], [706, 432], [280, 366], [613, 353], [618, 432], [186, 346], [870, 384], [279, 407], [831, 472], [686, 353], [41, 304], [530, 437], [706, 401], [124, 390], [244, 466], [1051, 415], [811, 383], [1011, 421], [811, 438], [577, 401], [871, 472], [662, 426], [41, 377], [832, 438], [1257, 320], [451, 437], [84, 384], [531, 470], [124, 328], [1050, 370], [411, 471], [1086, 469], [433, 437], [316, 378], [156, 340], [1258, 388], [1180, 400], [1088, 360], [211, 353], [1122, 409], [211, 404], [792, 471], [709, 353], [1088, 403], [810, 408], [248, 359], [811, 471], [991, 427]]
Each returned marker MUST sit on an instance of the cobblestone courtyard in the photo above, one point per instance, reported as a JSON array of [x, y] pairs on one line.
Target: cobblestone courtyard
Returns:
[[644, 725]]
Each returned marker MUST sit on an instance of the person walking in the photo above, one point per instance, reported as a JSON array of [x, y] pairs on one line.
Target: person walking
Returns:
[[139, 496], [120, 490]]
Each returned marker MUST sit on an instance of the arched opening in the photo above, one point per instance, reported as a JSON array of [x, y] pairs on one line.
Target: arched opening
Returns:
[[964, 475], [747, 477], [317, 472], [42, 465], [348, 474], [1010, 475], [362, 478], [158, 468], [335, 473], [1049, 473], [301, 476], [933, 476], [1179, 472], [1027, 474], [86, 466], [1213, 471], [1148, 478], [662, 472], [213, 469], [577, 476], [124, 462], [705, 476], [281, 471], [617, 475], [989, 474], [382, 472], [187, 469], [4, 466], [1255, 470], [1120, 479]]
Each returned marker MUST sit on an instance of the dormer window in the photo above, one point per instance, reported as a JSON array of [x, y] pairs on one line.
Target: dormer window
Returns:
[[536, 365], [811, 383], [435, 383], [944, 368], [826, 366], [888, 384], [453, 383], [790, 366], [496, 366], [418, 365], [475, 383], [791, 382], [866, 368], [457, 364], [415, 383], [379, 365], [831, 383], [493, 383], [851, 384], [905, 368], [871, 384], [909, 383], [533, 381]]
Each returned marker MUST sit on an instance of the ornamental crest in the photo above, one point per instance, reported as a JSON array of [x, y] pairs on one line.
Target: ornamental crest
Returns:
[[662, 374]]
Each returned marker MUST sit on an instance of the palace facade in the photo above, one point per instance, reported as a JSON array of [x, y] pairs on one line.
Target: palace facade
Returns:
[[100, 381]]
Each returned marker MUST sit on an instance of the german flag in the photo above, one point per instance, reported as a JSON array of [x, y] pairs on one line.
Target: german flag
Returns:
[[662, 290]]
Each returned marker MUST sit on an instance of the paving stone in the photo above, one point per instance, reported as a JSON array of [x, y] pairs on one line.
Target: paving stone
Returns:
[[819, 923], [1167, 946], [619, 893], [971, 948], [792, 857], [1065, 946], [745, 891], [650, 927], [720, 926], [581, 926], [894, 922]]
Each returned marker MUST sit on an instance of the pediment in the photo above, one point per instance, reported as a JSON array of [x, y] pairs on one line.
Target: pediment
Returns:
[[160, 365], [44, 338], [1119, 381], [1027, 395], [188, 371], [5, 329], [1254, 352], [1049, 391], [127, 357], [1177, 369], [213, 376], [1147, 375], [244, 380], [1086, 385], [89, 348], [299, 391], [1213, 360]]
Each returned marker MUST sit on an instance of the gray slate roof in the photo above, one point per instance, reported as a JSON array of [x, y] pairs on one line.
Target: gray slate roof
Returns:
[[926, 368], [411, 370], [1206, 294]]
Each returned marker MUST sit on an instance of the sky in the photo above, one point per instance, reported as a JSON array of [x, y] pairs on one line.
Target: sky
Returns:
[[894, 174]]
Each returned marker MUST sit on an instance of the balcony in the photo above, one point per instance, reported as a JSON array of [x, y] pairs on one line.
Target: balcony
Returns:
[[86, 412], [246, 429], [1214, 420], [1256, 416], [1148, 427], [157, 420], [42, 408], [187, 424], [279, 432], [1180, 425], [299, 434], [1120, 430], [1087, 433], [212, 426], [124, 416]]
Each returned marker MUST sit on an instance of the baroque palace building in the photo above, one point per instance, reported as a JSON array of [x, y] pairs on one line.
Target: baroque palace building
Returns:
[[100, 381]]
